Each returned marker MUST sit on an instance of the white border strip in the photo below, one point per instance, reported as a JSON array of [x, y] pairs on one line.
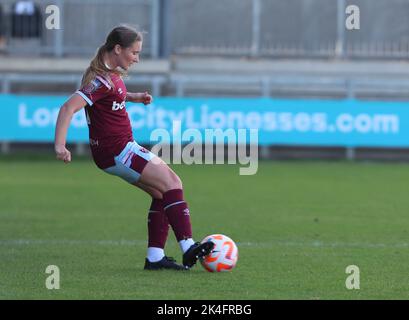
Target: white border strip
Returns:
[[104, 82], [173, 204], [85, 97]]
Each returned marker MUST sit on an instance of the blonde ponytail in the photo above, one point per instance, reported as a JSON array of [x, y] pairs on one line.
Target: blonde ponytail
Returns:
[[98, 67]]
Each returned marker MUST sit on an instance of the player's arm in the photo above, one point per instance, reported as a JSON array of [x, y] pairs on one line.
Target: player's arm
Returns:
[[144, 97], [71, 106]]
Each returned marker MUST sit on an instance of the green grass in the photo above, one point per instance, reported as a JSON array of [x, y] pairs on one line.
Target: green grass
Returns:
[[298, 225]]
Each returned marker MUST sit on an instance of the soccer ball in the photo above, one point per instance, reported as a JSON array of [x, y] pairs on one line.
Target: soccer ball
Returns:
[[223, 256]]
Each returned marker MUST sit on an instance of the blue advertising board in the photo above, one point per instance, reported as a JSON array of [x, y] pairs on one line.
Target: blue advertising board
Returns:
[[349, 123]]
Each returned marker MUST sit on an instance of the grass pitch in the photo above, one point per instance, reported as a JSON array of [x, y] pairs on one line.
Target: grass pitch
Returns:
[[298, 225]]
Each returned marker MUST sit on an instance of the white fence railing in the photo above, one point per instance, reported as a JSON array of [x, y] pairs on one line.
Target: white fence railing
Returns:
[[182, 85]]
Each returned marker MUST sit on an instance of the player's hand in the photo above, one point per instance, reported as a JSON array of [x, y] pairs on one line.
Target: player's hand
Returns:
[[146, 98], [63, 154]]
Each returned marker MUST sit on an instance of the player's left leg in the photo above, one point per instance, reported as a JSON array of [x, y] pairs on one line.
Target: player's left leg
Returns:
[[158, 175], [136, 164], [158, 224], [128, 166]]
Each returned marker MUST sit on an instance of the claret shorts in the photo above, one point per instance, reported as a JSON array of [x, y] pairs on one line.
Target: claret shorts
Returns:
[[130, 163]]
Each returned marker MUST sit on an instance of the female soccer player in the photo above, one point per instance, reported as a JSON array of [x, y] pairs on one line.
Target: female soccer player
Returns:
[[114, 150]]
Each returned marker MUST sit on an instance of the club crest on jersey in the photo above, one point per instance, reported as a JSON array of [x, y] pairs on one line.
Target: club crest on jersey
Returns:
[[118, 106], [92, 86]]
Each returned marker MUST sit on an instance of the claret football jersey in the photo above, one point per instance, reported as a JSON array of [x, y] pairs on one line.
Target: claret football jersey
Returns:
[[109, 125]]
